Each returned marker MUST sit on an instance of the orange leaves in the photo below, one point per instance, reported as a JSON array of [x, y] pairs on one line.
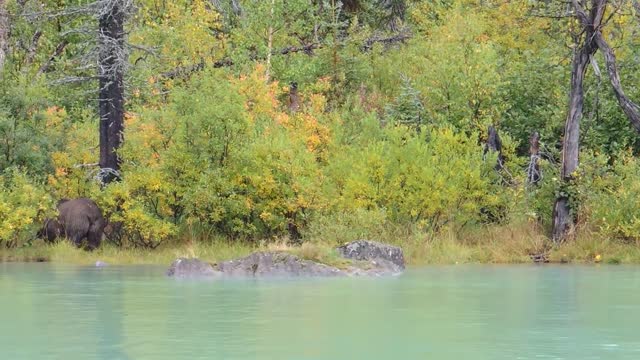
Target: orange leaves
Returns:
[[317, 103], [60, 171], [282, 119], [482, 38], [145, 136], [55, 116], [130, 119], [316, 135], [261, 97], [262, 103]]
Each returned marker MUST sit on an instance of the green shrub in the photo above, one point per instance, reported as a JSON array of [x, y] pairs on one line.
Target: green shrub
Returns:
[[433, 178], [23, 206], [611, 203]]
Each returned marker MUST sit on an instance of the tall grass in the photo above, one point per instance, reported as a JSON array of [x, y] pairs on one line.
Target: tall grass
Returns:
[[510, 243], [63, 252]]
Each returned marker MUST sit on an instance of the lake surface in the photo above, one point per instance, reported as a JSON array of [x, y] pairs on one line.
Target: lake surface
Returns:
[[450, 312]]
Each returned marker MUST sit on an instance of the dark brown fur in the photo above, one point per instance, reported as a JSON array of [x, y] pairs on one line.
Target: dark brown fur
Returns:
[[78, 219], [113, 232], [51, 230]]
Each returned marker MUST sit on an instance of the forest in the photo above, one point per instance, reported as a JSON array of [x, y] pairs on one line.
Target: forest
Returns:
[[461, 130]]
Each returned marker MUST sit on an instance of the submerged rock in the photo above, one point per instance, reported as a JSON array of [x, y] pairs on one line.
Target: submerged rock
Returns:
[[263, 264], [184, 267], [375, 268], [366, 258], [377, 254]]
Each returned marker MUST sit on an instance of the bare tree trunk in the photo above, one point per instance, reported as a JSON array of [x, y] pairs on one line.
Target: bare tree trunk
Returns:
[[112, 63], [631, 109], [562, 219], [270, 41], [4, 34], [533, 170], [494, 144], [294, 98], [33, 47]]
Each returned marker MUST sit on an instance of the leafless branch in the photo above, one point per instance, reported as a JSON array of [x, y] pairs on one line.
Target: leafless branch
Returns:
[[402, 37], [631, 109], [56, 53], [79, 166], [73, 80], [307, 49]]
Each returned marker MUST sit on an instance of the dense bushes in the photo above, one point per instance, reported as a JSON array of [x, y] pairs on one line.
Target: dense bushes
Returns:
[[432, 177], [387, 135], [223, 155], [23, 205]]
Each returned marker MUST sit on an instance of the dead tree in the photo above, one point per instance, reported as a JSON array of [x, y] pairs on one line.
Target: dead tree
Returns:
[[494, 144], [533, 170], [105, 54], [294, 98], [112, 63], [591, 20]]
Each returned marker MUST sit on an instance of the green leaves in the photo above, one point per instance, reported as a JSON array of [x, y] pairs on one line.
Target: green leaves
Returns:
[[431, 178], [23, 205]]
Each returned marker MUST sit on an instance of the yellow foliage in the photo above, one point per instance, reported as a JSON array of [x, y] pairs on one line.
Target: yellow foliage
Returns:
[[23, 203], [261, 96], [181, 30]]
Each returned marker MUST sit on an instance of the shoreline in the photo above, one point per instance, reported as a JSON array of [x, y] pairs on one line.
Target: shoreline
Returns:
[[441, 252]]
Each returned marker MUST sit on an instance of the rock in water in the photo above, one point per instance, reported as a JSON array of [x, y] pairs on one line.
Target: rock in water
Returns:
[[367, 258], [101, 264], [184, 267], [372, 250], [264, 264], [383, 259]]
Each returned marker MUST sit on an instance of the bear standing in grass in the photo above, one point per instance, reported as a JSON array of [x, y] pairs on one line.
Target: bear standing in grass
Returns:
[[78, 219]]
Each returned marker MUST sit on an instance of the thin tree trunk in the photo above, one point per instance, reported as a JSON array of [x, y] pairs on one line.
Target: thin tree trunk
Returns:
[[111, 97], [533, 170], [631, 109], [562, 219], [494, 144], [270, 41], [33, 46], [59, 49], [4, 34]]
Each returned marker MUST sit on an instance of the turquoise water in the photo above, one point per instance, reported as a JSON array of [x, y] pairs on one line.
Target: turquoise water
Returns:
[[450, 312]]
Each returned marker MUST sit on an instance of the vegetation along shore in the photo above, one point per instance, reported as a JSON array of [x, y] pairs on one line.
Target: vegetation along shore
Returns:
[[462, 131]]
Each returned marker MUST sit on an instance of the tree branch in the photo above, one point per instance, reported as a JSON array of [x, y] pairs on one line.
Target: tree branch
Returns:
[[631, 109], [31, 51], [185, 71], [52, 58], [368, 44]]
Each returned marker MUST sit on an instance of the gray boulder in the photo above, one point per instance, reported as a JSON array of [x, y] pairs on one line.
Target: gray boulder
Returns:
[[275, 264], [375, 258], [184, 268], [367, 258]]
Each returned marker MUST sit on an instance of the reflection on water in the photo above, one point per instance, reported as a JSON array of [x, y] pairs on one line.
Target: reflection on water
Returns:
[[450, 312]]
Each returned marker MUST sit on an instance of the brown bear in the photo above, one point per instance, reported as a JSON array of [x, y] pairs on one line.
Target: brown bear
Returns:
[[78, 219]]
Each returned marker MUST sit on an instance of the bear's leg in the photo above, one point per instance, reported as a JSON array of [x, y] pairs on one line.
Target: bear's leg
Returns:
[[94, 236], [76, 238]]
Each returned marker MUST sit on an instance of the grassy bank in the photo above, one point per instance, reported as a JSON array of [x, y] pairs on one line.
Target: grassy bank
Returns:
[[507, 244], [64, 252]]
